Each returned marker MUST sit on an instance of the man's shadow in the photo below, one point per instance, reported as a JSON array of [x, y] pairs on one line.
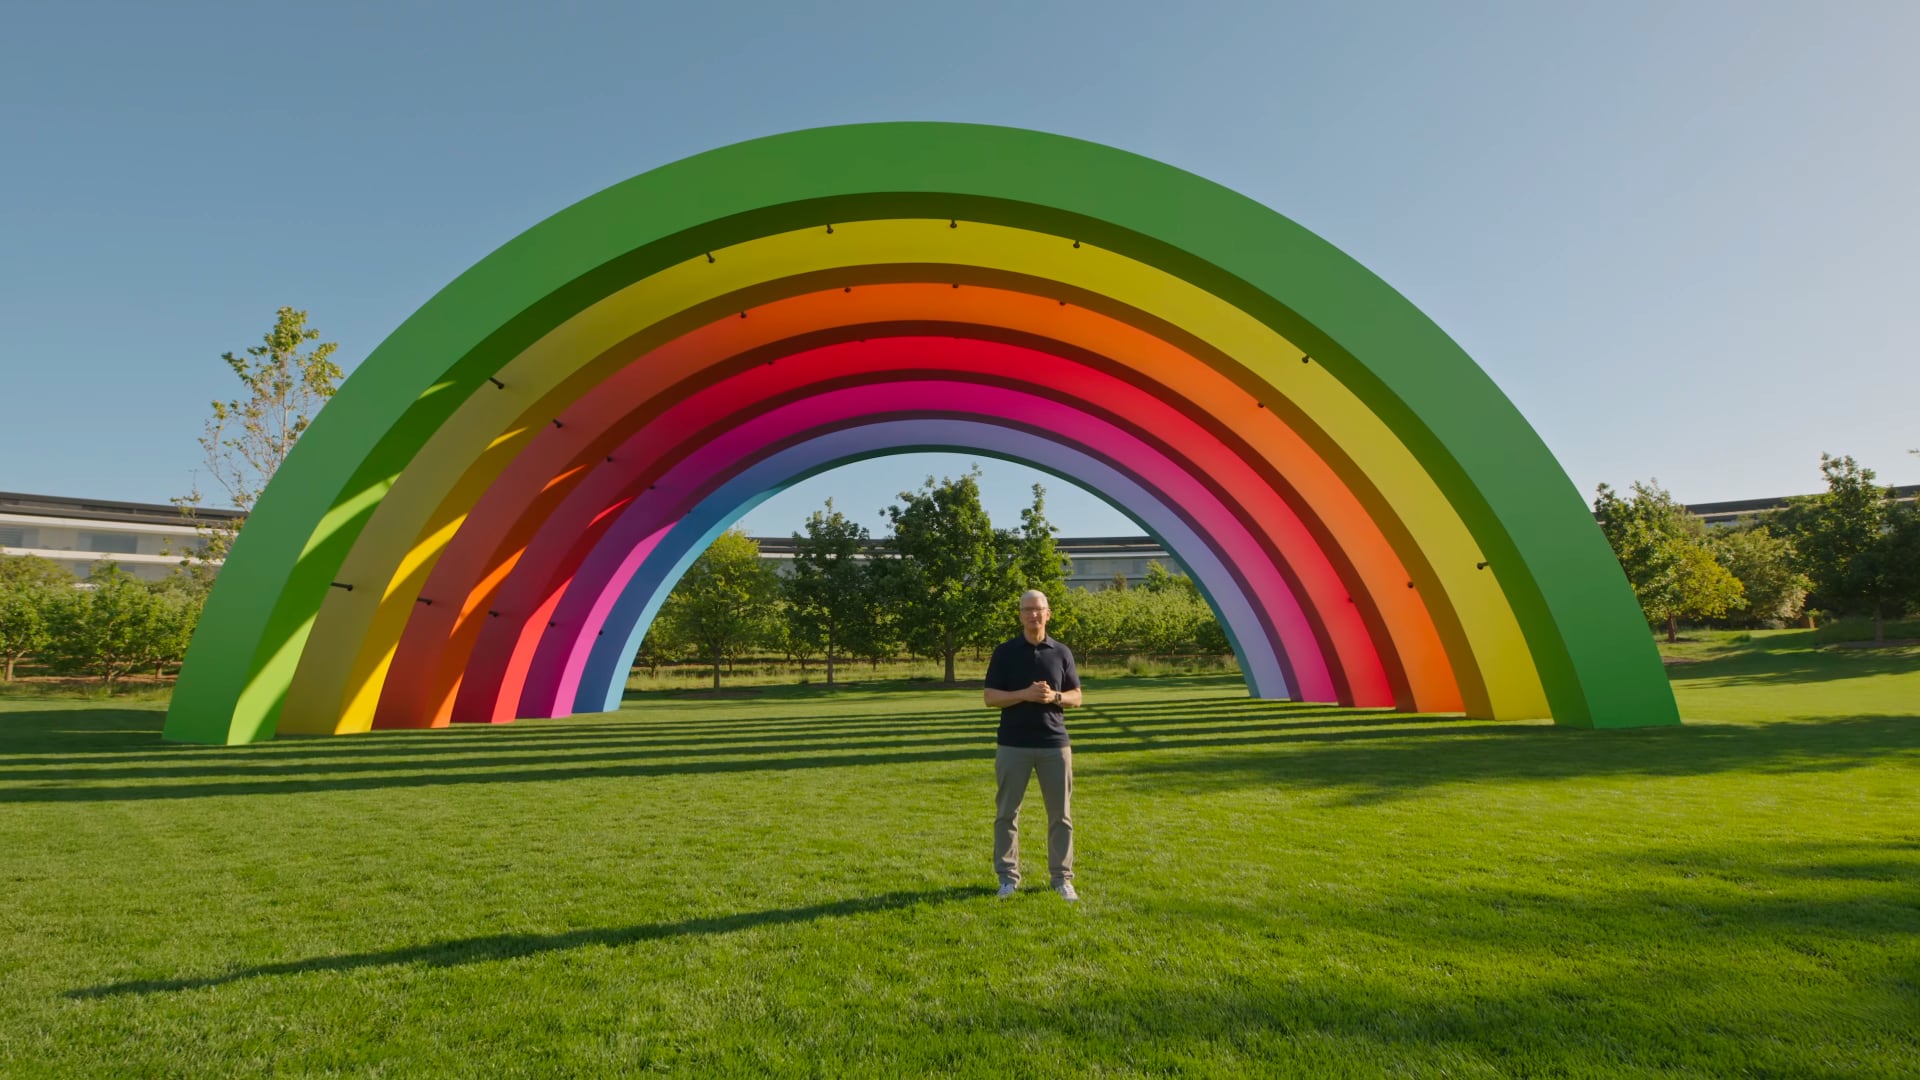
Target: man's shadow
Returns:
[[479, 950]]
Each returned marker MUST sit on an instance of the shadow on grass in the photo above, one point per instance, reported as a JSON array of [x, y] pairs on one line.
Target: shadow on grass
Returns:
[[1467, 752], [1778, 662], [567, 761], [1362, 755], [85, 737], [78, 731], [480, 950], [968, 734]]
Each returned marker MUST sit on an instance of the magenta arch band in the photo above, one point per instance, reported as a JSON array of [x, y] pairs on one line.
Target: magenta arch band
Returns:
[[625, 550], [529, 590], [650, 512], [612, 483], [577, 613], [682, 425], [1145, 411], [599, 683]]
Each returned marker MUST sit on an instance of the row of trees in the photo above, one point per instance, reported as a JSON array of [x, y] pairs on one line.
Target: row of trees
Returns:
[[1850, 550], [114, 626], [946, 580]]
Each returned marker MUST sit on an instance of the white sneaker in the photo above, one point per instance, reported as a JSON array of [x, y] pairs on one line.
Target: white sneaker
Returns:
[[1065, 889], [1007, 889]]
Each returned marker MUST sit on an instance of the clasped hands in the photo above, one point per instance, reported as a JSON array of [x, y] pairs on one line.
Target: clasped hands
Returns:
[[1041, 691]]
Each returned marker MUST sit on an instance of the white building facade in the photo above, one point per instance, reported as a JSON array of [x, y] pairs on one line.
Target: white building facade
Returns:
[[144, 539]]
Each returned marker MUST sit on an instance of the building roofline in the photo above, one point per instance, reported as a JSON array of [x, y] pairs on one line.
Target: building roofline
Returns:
[[133, 513], [1739, 507], [113, 510]]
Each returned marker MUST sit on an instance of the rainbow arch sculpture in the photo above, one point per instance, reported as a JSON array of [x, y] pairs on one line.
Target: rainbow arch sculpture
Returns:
[[481, 523]]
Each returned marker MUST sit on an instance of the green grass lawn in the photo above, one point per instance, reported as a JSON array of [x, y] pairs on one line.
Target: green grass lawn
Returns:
[[796, 882]]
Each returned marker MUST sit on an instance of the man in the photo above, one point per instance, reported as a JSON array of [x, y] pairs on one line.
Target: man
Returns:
[[1030, 679]]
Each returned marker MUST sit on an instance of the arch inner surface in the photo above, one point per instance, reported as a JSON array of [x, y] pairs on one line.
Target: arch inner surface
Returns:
[[488, 541], [519, 373], [1175, 489], [668, 481], [1228, 476], [596, 683]]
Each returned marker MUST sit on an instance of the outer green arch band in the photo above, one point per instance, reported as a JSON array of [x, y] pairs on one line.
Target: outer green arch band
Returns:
[[1595, 658]]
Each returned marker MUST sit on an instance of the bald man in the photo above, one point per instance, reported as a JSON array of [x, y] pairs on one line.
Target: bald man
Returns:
[[1030, 679]]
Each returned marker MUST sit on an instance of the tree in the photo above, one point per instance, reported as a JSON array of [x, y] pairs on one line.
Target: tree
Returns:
[[1852, 541], [878, 636], [248, 438], [1764, 565], [1185, 620], [178, 600], [30, 586], [1900, 556], [784, 634], [1101, 621], [1159, 580], [109, 629], [724, 602], [1164, 615], [954, 567], [1037, 561], [661, 643], [829, 594], [1662, 548]]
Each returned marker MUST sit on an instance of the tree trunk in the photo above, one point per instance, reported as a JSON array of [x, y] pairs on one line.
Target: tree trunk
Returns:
[[829, 654], [1673, 629], [947, 643], [1879, 625], [716, 668], [9, 669]]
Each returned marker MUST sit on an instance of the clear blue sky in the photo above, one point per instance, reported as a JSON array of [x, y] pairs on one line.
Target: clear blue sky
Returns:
[[1681, 236]]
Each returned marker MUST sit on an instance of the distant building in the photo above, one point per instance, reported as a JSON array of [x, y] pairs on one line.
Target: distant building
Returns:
[[1732, 513], [147, 540], [1097, 560]]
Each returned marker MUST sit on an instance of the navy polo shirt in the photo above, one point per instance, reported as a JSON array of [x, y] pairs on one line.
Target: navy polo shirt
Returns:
[[1018, 664]]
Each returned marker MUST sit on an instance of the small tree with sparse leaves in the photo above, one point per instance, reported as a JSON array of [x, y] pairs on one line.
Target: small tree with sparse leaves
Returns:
[[248, 438]]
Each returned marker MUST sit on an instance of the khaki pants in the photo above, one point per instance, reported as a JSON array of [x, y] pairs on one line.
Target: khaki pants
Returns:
[[1012, 765]]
